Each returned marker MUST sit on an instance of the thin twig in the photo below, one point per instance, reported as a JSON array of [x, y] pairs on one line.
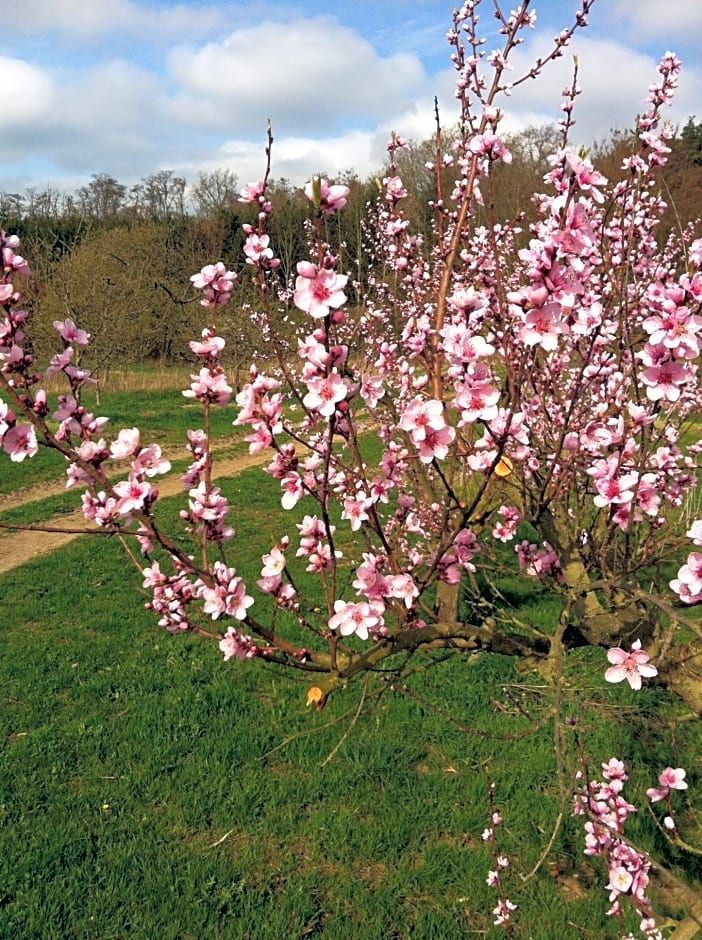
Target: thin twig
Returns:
[[348, 731]]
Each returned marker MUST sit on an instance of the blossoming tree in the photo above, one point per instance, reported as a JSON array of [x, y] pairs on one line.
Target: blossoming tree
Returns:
[[533, 389]]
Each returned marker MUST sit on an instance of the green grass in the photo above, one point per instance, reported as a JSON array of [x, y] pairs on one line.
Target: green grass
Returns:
[[150, 790]]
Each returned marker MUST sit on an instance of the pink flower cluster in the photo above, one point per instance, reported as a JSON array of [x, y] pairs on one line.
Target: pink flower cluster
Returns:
[[688, 584], [216, 284], [607, 811]]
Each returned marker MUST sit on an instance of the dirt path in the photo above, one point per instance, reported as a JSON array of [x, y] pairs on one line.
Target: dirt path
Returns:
[[22, 546]]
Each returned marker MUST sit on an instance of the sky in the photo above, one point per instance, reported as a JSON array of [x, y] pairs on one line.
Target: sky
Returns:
[[131, 87]]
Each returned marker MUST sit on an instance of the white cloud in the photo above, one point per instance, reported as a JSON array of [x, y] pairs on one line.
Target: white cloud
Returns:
[[654, 19], [27, 93], [614, 81], [312, 73], [85, 20]]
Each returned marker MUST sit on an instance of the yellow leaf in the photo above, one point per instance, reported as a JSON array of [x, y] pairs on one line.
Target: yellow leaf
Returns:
[[314, 695], [504, 467]]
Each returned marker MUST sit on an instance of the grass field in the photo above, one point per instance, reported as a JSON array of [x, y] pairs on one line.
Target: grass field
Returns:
[[149, 790]]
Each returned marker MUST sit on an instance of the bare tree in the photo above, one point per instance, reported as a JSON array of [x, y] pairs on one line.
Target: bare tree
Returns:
[[215, 192]]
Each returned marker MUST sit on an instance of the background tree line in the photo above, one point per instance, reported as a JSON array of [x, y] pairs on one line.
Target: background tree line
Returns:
[[118, 259]]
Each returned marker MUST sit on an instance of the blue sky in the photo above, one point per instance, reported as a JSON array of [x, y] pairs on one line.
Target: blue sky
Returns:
[[129, 87]]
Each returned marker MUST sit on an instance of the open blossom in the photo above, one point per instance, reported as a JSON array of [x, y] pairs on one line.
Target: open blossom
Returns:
[[318, 292], [256, 248], [20, 442], [70, 333], [672, 778], [630, 666], [210, 347], [325, 393], [688, 584], [358, 618], [127, 443]]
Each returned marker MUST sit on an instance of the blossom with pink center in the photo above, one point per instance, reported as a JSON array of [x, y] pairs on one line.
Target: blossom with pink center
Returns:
[[59, 362], [328, 199], [688, 584], [506, 530], [631, 666], [477, 401], [665, 381], [227, 596], [150, 462], [372, 389], [20, 442], [435, 444], [318, 292], [425, 421], [369, 580], [613, 486], [273, 563], [133, 494], [543, 326], [252, 192], [293, 491], [463, 347], [256, 248], [325, 393], [587, 178], [672, 778], [355, 617], [70, 333]]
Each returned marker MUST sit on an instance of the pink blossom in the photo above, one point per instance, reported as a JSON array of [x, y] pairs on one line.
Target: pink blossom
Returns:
[[665, 380], [228, 594], [630, 666], [672, 778], [150, 462], [318, 292], [239, 645], [215, 282], [273, 563], [355, 510], [293, 491], [403, 587], [587, 178], [358, 618], [20, 442], [543, 326], [328, 199], [325, 393], [256, 248], [127, 443], [70, 333], [210, 386], [210, 347], [252, 192], [133, 494]]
